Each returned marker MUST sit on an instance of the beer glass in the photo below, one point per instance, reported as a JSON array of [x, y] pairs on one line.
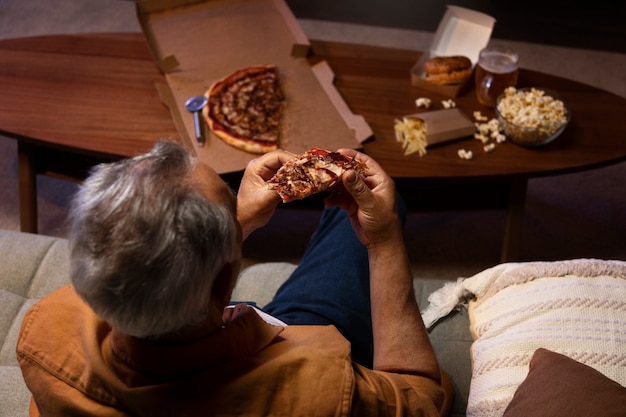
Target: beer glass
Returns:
[[496, 70]]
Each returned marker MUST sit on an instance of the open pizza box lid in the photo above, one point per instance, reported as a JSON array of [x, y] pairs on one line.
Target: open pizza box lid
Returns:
[[461, 31], [196, 42]]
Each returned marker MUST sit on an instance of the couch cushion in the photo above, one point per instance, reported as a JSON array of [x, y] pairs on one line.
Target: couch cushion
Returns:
[[451, 339], [258, 283], [14, 396], [31, 267]]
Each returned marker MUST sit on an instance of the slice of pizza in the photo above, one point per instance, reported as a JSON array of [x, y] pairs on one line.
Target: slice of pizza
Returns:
[[244, 108], [312, 172]]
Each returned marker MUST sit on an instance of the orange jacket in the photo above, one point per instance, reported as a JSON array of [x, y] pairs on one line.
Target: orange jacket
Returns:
[[76, 365]]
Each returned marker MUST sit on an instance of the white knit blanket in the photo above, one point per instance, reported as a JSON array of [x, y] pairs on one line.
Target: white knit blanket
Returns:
[[577, 308]]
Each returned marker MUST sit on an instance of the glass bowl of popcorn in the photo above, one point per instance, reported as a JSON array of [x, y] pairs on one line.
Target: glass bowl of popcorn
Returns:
[[532, 116]]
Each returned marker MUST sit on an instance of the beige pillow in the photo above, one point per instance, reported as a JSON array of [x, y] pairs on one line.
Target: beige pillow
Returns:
[[577, 308]]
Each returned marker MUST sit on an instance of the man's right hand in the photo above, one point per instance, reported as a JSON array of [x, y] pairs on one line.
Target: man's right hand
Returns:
[[370, 202], [401, 343]]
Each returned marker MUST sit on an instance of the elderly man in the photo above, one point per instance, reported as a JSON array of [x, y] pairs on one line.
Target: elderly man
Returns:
[[155, 246]]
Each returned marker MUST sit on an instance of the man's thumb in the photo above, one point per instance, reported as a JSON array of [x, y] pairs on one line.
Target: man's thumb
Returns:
[[354, 184]]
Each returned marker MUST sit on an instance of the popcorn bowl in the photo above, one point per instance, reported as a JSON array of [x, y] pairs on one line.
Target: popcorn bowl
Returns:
[[532, 116]]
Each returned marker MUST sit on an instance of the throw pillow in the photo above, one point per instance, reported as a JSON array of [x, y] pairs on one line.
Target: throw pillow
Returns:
[[576, 308], [558, 386]]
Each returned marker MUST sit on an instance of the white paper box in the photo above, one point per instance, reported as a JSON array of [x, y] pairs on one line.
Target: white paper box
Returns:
[[461, 31]]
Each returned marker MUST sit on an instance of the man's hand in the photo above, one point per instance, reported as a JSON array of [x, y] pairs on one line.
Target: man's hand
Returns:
[[255, 203], [401, 343], [370, 202]]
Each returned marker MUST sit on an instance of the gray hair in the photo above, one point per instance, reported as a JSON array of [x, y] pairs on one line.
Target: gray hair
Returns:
[[146, 245]]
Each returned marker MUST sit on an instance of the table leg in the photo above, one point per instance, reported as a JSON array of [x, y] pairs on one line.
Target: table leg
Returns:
[[514, 219], [27, 187]]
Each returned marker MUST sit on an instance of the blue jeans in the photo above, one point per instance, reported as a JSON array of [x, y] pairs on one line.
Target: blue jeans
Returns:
[[331, 285]]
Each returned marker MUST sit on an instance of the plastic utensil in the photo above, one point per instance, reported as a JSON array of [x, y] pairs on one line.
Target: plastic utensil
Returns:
[[195, 105]]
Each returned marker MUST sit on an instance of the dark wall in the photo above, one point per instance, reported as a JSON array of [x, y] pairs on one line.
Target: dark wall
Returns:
[[592, 25]]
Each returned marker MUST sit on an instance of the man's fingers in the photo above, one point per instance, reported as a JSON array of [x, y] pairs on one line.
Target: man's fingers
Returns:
[[265, 166]]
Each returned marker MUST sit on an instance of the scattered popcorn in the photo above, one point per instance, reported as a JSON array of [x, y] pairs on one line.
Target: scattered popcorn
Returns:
[[493, 125], [479, 117], [489, 147], [411, 133], [423, 102], [463, 154], [448, 104], [488, 130], [481, 137], [482, 128]]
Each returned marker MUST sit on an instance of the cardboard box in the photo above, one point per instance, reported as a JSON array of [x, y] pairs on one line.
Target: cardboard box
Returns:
[[196, 42], [446, 125], [461, 32], [442, 126]]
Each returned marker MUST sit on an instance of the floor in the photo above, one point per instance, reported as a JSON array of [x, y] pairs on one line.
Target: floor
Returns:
[[568, 216]]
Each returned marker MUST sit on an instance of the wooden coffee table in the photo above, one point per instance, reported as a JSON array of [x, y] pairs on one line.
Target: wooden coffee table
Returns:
[[72, 101]]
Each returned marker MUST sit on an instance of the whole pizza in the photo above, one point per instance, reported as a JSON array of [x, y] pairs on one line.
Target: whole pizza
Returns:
[[244, 108]]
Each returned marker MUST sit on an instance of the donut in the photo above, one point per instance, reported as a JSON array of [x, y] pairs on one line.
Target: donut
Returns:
[[447, 69]]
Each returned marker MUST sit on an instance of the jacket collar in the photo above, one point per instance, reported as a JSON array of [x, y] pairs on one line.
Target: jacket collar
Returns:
[[243, 336]]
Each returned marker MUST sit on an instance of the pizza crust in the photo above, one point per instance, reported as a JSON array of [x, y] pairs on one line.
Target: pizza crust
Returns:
[[242, 143]]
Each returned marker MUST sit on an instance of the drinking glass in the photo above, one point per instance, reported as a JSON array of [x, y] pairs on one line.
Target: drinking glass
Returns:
[[496, 70]]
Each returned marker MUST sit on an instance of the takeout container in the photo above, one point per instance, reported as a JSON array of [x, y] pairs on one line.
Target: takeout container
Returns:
[[445, 125], [461, 31], [431, 128], [195, 43]]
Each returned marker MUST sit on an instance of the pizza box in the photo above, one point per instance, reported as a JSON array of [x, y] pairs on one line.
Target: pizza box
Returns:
[[461, 31], [196, 42]]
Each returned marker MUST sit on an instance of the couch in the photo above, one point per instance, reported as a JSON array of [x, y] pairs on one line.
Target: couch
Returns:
[[33, 266]]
